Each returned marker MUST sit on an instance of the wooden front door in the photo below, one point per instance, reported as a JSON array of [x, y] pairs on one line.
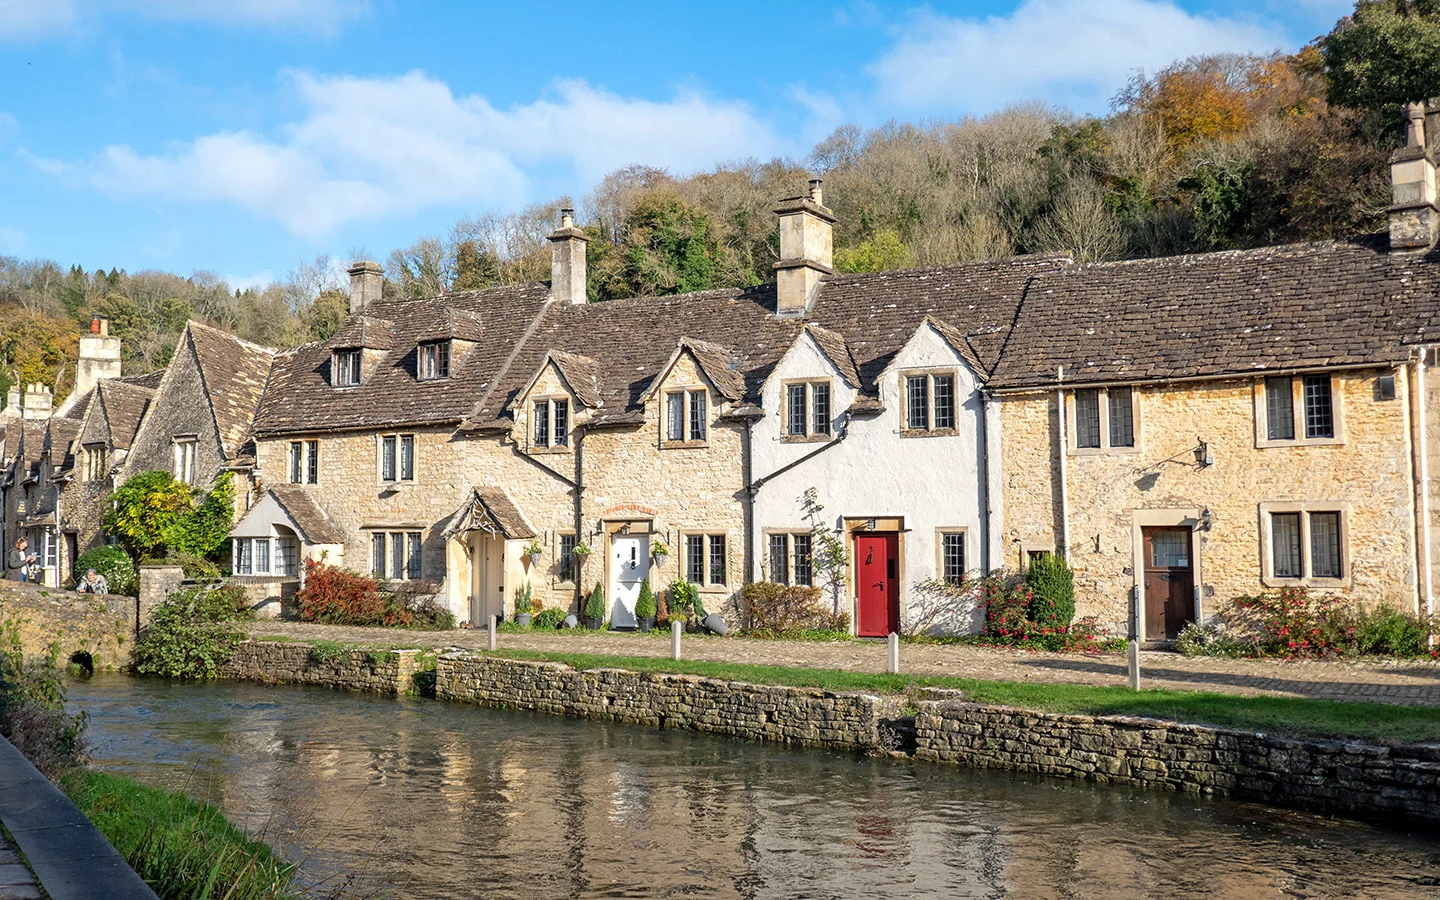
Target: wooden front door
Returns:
[[877, 584], [1169, 585]]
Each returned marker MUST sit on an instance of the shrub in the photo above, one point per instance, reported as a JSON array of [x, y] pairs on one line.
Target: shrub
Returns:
[[645, 603], [154, 515], [33, 716], [1008, 600], [420, 601], [335, 596], [522, 598], [1387, 631], [682, 599], [192, 633], [114, 565], [1052, 590], [595, 605], [1293, 622], [1211, 639], [550, 617], [778, 610]]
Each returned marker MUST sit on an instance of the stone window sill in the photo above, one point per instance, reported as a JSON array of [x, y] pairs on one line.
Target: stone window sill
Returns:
[[684, 445], [1301, 442], [927, 432], [804, 438]]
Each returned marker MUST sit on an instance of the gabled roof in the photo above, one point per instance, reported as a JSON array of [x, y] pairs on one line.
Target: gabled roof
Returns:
[[366, 331], [719, 365], [1303, 306], [958, 342], [150, 380], [123, 405], [310, 520], [59, 433], [832, 344], [581, 375], [234, 372], [450, 323], [490, 509]]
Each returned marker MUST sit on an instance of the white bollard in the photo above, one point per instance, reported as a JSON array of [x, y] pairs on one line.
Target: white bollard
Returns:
[[893, 666], [492, 627], [1132, 655], [675, 629]]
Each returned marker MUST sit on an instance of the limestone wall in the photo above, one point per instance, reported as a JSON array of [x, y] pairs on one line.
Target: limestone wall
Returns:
[[1345, 777], [1366, 474], [373, 671], [804, 716], [103, 627]]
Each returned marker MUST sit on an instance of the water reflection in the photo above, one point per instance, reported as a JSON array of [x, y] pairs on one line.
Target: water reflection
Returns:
[[435, 800]]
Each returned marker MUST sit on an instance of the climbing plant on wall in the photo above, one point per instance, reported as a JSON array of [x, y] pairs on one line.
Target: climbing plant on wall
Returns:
[[830, 559]]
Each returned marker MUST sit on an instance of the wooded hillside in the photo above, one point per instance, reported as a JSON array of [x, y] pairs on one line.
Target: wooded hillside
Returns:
[[1209, 153]]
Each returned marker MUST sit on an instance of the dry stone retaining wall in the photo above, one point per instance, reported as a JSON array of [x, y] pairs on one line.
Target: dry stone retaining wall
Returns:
[[804, 716], [1345, 777], [374, 671]]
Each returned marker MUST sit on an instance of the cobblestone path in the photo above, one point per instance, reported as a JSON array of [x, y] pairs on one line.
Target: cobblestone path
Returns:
[[1408, 683]]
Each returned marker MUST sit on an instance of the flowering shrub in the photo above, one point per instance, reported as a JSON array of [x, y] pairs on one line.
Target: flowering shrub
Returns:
[[1008, 603], [334, 596], [1292, 623]]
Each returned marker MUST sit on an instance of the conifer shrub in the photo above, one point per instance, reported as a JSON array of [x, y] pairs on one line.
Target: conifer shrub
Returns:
[[645, 607], [1052, 591], [595, 606]]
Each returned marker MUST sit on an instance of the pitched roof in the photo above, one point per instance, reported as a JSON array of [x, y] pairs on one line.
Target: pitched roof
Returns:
[[300, 398], [832, 344], [59, 433], [960, 343], [124, 405], [490, 509], [368, 331], [455, 324], [150, 380], [314, 525], [1316, 305], [235, 373], [581, 373]]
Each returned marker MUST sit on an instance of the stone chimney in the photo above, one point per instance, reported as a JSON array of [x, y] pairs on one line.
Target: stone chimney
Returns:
[[37, 403], [806, 250], [12, 402], [99, 356], [367, 280], [1414, 218], [567, 261]]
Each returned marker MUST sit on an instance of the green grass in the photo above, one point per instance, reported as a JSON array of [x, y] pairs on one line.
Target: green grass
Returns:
[[184, 850], [1277, 715]]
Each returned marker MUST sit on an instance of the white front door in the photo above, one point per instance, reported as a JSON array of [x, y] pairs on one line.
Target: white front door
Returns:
[[488, 578], [629, 568]]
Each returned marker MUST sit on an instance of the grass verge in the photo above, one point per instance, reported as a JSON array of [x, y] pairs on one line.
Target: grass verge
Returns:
[[1278, 715], [182, 848]]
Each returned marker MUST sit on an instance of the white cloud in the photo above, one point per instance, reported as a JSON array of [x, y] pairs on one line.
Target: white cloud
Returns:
[[245, 282], [369, 148], [1069, 52], [30, 19], [13, 241]]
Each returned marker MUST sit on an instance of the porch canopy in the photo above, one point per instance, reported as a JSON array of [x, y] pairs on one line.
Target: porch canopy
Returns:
[[490, 509]]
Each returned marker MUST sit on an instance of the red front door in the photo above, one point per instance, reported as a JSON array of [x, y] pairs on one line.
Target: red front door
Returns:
[[877, 584]]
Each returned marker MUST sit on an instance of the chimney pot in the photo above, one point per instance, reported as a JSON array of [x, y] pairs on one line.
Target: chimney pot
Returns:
[[816, 195], [95, 326]]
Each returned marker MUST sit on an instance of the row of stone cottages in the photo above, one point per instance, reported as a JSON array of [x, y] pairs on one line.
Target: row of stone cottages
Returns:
[[1184, 430]]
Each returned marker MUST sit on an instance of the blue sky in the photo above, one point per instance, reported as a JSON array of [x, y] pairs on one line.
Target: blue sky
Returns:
[[244, 136]]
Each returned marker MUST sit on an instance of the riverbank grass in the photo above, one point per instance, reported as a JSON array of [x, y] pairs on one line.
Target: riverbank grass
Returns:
[[182, 848], [1300, 717]]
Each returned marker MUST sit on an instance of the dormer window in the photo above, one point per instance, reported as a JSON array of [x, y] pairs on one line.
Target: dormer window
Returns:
[[551, 419], [434, 360], [807, 410], [686, 416], [346, 368], [929, 403]]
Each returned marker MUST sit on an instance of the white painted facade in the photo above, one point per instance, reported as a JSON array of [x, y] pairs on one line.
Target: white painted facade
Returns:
[[924, 485]]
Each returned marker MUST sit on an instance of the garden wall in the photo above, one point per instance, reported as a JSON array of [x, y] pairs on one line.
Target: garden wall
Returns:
[[374, 671], [1345, 777], [102, 626], [804, 716]]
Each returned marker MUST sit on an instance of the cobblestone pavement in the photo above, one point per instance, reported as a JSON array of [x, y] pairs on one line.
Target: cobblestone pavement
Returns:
[[1407, 683], [17, 882]]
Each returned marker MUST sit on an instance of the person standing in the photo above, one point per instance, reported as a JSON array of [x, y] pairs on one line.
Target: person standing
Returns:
[[19, 560]]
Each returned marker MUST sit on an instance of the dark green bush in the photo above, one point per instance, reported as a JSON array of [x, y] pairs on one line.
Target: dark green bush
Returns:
[[1052, 591], [114, 565], [595, 606], [193, 633], [645, 603], [1386, 631], [550, 617]]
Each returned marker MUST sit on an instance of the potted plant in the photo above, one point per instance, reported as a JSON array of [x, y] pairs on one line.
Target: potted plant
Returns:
[[581, 551], [523, 605], [595, 609], [645, 607], [711, 622], [658, 551], [533, 550]]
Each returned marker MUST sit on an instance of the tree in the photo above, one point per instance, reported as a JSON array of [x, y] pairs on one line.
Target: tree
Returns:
[[154, 515], [1383, 55], [881, 253]]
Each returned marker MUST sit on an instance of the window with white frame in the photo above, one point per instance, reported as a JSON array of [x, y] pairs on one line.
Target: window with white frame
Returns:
[[687, 415], [952, 557], [395, 555], [807, 409], [184, 459], [1103, 419], [1304, 543], [304, 462], [278, 555], [345, 368], [1297, 409], [791, 558], [397, 457], [434, 358], [929, 403], [550, 417], [705, 559], [94, 459], [49, 549]]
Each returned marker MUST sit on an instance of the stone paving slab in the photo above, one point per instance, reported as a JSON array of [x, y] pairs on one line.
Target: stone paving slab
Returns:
[[1408, 683]]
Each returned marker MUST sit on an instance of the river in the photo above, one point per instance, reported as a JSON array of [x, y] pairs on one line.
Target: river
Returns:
[[437, 800]]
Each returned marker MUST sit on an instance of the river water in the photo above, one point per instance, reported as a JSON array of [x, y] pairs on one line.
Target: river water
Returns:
[[436, 800]]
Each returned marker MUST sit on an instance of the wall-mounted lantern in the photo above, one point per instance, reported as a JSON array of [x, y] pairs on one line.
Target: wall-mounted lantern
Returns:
[[1204, 456]]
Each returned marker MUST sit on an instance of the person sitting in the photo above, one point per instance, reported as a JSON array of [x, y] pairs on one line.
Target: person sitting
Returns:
[[92, 583]]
